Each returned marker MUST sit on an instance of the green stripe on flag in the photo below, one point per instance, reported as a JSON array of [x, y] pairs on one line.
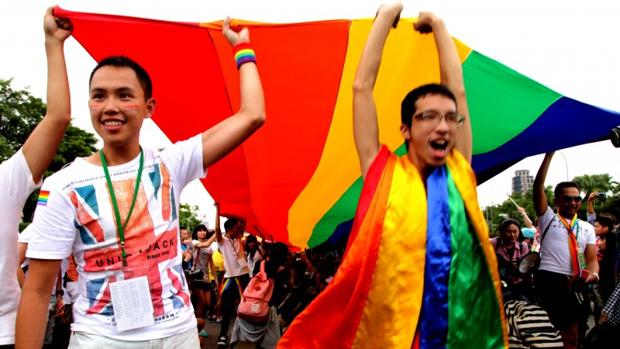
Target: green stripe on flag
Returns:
[[343, 210], [473, 319], [502, 102]]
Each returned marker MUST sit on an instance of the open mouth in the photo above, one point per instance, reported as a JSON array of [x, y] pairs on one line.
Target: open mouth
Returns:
[[439, 148], [439, 145]]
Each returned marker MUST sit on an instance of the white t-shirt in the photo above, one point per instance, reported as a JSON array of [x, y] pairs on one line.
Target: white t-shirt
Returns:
[[252, 259], [234, 260], [554, 252], [79, 219], [16, 184], [24, 238]]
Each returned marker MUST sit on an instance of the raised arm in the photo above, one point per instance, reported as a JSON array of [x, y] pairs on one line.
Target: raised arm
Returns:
[[218, 230], [207, 243], [365, 124], [526, 219], [451, 74], [41, 145], [540, 197], [222, 138]]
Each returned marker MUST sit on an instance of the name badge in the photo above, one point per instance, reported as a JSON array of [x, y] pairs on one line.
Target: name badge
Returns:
[[132, 304]]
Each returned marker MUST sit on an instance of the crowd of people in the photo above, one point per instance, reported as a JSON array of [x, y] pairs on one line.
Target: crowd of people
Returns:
[[568, 266], [105, 262]]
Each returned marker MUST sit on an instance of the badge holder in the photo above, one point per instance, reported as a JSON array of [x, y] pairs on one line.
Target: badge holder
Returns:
[[131, 297]]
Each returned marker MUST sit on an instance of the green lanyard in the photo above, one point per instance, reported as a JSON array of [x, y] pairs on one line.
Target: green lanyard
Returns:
[[117, 214]]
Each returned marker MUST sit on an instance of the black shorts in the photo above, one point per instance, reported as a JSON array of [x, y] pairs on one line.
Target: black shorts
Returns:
[[202, 285], [557, 295]]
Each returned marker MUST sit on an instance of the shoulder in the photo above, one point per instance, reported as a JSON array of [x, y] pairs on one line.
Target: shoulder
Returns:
[[549, 214], [72, 172], [586, 227]]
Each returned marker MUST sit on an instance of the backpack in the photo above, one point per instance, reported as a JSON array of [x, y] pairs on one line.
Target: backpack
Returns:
[[254, 306]]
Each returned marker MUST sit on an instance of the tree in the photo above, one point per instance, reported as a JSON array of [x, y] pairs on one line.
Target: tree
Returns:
[[20, 112], [507, 209], [189, 216], [601, 183]]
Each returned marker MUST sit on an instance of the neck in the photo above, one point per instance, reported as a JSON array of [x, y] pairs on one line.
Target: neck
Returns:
[[423, 169], [566, 216], [120, 155]]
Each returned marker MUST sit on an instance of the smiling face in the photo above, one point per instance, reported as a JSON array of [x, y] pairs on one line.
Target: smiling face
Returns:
[[430, 140], [568, 202], [118, 105]]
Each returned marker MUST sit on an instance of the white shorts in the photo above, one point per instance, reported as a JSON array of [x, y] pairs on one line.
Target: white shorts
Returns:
[[83, 340]]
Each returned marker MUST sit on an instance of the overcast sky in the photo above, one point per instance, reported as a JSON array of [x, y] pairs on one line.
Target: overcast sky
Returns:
[[569, 46]]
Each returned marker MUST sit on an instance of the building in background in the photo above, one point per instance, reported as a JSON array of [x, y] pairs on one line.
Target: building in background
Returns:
[[522, 182]]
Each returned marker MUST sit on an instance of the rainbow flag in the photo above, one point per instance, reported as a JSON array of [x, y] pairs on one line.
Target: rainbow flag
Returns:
[[298, 178], [413, 272], [43, 196]]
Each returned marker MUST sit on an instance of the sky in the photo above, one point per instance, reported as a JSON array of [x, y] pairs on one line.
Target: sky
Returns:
[[569, 46]]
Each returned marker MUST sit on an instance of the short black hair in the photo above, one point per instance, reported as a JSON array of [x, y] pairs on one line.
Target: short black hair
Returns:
[[407, 106], [559, 189], [606, 220], [126, 62], [231, 223]]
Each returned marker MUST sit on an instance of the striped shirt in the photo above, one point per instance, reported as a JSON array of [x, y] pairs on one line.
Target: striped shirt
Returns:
[[529, 327]]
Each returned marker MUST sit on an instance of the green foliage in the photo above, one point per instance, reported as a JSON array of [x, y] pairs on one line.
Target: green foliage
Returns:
[[601, 183], [507, 209], [189, 216], [20, 112]]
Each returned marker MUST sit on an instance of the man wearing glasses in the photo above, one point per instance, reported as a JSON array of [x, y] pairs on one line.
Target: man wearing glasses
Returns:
[[419, 241], [568, 255]]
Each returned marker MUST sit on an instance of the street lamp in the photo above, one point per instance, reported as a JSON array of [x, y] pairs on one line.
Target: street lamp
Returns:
[[565, 163]]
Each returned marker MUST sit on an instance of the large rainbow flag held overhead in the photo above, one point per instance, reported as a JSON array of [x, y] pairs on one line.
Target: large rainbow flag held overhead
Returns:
[[298, 178]]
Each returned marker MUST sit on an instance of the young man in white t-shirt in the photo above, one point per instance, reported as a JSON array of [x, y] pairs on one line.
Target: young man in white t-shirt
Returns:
[[22, 172], [568, 255], [117, 212], [237, 271]]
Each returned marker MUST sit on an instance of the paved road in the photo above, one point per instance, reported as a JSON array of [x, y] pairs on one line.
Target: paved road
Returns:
[[211, 341]]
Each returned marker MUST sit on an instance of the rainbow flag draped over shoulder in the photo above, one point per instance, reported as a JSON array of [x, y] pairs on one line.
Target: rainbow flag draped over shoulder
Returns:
[[410, 266], [297, 179]]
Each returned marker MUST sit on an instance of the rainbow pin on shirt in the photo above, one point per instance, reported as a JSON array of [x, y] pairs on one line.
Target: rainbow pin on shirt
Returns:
[[43, 196]]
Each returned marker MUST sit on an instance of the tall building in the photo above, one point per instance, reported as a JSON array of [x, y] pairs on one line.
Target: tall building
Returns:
[[522, 182]]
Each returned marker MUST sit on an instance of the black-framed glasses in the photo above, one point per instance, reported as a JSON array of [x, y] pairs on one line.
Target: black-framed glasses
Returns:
[[568, 198], [432, 116]]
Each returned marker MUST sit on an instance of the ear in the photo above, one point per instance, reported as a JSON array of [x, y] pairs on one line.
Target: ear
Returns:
[[406, 132], [150, 107]]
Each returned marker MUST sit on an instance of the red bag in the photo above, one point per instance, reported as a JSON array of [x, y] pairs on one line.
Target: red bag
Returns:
[[254, 306]]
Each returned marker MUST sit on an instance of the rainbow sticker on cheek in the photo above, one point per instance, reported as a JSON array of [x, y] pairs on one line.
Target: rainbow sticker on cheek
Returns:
[[94, 106], [130, 108]]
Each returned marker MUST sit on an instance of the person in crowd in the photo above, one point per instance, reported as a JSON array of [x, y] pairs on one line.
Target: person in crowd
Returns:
[[509, 252], [237, 271], [203, 273], [606, 254], [117, 213], [187, 250], [568, 256], [401, 236], [254, 253], [529, 326], [21, 174], [248, 334], [56, 306]]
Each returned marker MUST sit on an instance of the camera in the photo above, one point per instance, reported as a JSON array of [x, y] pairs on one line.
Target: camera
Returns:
[[601, 196], [614, 135]]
